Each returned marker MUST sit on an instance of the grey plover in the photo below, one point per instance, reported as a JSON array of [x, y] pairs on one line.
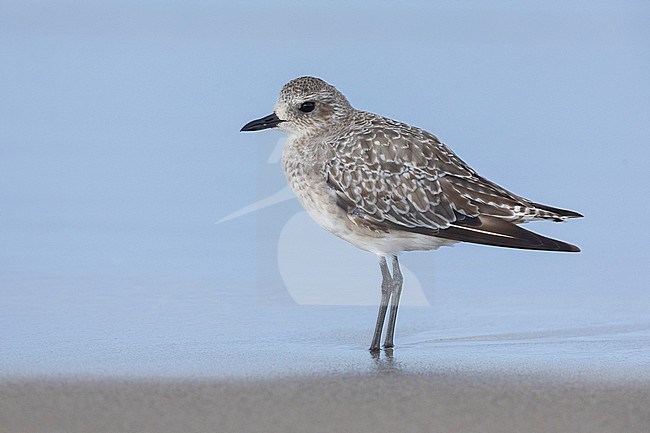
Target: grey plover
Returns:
[[387, 187]]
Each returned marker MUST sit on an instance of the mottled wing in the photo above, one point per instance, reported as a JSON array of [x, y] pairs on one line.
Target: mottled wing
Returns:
[[389, 171], [383, 175], [391, 175]]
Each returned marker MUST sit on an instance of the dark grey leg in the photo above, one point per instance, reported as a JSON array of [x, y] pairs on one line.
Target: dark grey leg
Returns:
[[396, 292], [386, 287]]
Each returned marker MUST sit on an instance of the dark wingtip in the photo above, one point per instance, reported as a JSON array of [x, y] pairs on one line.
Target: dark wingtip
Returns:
[[570, 248], [550, 244], [501, 233]]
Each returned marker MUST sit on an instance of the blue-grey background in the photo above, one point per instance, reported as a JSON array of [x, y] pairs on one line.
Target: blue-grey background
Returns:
[[120, 150]]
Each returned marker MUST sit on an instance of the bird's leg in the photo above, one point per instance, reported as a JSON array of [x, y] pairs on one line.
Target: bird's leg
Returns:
[[386, 286], [396, 292]]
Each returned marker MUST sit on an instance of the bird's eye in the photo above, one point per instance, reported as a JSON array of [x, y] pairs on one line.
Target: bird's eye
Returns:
[[308, 106]]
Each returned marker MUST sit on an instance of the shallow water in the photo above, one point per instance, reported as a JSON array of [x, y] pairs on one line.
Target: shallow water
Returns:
[[201, 330]]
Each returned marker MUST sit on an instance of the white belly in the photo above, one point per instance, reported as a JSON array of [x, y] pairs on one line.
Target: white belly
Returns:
[[319, 200]]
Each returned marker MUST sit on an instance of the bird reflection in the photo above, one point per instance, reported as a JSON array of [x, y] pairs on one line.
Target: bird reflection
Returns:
[[384, 362]]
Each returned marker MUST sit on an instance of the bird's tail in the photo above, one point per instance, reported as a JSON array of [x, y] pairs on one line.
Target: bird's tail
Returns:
[[554, 213]]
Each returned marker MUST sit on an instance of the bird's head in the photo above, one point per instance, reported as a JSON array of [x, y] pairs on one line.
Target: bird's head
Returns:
[[306, 106]]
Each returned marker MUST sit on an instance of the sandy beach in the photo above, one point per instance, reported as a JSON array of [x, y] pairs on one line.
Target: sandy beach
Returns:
[[322, 379], [337, 403]]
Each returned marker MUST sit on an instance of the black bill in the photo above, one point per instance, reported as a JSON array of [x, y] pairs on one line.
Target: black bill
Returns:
[[270, 121]]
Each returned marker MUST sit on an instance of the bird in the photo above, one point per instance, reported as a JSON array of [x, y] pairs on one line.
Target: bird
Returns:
[[388, 187]]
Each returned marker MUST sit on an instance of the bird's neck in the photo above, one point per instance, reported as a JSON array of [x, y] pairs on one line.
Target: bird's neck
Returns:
[[303, 149]]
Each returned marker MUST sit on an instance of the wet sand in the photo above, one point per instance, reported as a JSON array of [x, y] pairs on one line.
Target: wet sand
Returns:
[[381, 402]]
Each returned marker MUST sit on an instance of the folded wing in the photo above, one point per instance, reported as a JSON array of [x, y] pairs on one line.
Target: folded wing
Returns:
[[404, 178]]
